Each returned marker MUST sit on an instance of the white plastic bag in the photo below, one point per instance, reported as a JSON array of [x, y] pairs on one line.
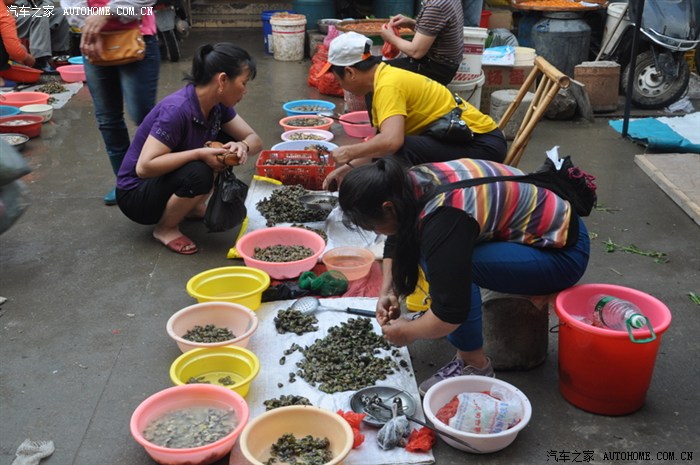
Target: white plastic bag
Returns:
[[487, 413]]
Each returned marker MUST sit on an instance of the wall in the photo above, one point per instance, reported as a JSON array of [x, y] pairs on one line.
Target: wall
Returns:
[[224, 13]]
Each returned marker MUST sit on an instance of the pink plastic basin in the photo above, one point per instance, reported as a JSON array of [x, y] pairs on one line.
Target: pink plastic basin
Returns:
[[20, 99], [357, 130], [186, 396], [72, 73], [281, 235]]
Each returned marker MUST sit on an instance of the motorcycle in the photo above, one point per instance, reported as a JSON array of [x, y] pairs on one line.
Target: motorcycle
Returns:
[[172, 25], [669, 28]]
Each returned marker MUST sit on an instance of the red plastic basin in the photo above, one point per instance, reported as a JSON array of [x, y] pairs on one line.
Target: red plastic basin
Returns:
[[32, 127]]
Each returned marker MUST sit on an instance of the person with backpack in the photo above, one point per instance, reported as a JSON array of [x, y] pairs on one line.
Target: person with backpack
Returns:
[[507, 236]]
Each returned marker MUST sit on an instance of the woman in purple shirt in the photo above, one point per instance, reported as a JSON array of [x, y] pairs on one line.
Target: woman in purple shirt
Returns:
[[168, 173]]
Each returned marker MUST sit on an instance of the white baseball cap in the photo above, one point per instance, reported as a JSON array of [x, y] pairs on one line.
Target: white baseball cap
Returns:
[[346, 50]]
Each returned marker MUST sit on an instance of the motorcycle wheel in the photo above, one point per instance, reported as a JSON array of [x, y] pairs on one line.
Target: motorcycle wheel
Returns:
[[651, 89], [172, 48]]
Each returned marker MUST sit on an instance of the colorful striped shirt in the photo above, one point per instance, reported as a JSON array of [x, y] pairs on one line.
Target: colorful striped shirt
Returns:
[[505, 210]]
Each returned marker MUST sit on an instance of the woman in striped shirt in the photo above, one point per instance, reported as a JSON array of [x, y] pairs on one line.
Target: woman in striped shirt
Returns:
[[507, 236], [437, 47]]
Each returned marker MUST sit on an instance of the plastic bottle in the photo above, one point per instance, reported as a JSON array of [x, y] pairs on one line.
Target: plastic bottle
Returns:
[[614, 313]]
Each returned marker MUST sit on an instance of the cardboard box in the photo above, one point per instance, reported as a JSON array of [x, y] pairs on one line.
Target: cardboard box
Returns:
[[501, 77], [500, 18]]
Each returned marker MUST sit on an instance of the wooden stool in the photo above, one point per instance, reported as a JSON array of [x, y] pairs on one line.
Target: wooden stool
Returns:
[[516, 329]]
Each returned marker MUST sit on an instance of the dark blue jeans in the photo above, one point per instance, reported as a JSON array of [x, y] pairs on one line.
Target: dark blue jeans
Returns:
[[519, 269], [135, 84]]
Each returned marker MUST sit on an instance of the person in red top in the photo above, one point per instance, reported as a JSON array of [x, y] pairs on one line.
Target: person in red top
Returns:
[[11, 47]]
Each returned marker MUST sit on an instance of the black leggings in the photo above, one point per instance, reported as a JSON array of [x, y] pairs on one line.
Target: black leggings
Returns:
[[146, 203], [426, 149], [439, 72]]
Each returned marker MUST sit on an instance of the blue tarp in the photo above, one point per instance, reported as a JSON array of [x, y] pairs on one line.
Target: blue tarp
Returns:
[[657, 135]]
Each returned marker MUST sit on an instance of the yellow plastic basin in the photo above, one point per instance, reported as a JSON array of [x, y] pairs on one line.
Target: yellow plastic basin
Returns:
[[213, 364], [236, 284]]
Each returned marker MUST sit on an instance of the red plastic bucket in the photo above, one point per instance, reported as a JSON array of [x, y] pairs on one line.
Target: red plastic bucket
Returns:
[[602, 370]]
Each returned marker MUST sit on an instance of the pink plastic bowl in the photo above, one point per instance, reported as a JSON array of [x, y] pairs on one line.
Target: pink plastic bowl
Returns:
[[72, 73], [357, 130], [326, 123], [240, 320], [20, 99], [281, 235], [185, 396], [353, 262]]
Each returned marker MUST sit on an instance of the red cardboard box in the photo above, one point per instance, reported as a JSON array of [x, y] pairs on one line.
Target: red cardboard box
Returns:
[[501, 77]]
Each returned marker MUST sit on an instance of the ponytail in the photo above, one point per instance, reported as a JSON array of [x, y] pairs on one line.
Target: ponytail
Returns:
[[225, 57]]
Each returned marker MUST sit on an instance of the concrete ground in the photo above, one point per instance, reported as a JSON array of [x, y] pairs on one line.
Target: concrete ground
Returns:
[[82, 334]]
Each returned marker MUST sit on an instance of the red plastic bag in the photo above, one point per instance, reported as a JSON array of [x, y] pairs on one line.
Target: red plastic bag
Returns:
[[420, 440], [354, 420], [329, 85], [312, 80], [317, 62], [389, 50]]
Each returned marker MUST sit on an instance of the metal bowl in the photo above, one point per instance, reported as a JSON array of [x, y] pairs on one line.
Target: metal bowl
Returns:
[[386, 394], [18, 141], [323, 24], [325, 202]]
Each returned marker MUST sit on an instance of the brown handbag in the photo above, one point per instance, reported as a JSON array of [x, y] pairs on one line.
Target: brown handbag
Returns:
[[121, 47]]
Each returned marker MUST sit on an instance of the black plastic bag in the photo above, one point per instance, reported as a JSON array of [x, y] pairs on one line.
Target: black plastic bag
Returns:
[[226, 208]]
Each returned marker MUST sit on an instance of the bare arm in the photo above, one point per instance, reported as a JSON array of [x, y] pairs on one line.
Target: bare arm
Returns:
[[152, 161], [389, 140], [248, 141], [416, 48]]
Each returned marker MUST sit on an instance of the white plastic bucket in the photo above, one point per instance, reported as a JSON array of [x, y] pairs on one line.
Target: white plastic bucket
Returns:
[[524, 56], [469, 89], [474, 39], [611, 35], [288, 34]]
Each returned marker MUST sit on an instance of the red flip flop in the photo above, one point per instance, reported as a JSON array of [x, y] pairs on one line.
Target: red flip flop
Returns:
[[182, 245]]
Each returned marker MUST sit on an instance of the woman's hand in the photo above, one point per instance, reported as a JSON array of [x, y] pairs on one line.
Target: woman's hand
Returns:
[[91, 40], [334, 178], [396, 332], [387, 32], [216, 158], [402, 21], [387, 309], [239, 150]]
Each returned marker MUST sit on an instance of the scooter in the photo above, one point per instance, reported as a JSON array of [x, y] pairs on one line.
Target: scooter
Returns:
[[171, 21], [669, 28]]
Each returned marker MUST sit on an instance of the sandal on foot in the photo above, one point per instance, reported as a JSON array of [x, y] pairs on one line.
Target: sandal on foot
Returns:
[[182, 245]]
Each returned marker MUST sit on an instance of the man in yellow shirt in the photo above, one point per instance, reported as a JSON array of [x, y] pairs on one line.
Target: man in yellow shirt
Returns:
[[404, 105]]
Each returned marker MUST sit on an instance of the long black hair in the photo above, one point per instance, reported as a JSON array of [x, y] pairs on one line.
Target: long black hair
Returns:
[[224, 57], [361, 196]]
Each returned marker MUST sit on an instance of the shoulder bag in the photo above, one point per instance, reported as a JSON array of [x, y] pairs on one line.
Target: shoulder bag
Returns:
[[450, 127], [121, 47]]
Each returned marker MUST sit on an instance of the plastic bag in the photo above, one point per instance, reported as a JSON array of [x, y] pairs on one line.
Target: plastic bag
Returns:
[[501, 55], [12, 164], [332, 34], [484, 413], [226, 208], [389, 50], [328, 85], [327, 284], [14, 201]]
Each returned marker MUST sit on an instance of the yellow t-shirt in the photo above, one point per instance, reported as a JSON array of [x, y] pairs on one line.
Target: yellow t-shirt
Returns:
[[420, 99]]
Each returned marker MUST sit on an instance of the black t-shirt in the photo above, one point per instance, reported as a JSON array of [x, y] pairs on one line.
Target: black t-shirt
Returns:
[[447, 239]]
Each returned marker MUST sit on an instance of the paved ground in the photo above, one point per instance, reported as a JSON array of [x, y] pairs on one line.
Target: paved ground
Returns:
[[82, 332]]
